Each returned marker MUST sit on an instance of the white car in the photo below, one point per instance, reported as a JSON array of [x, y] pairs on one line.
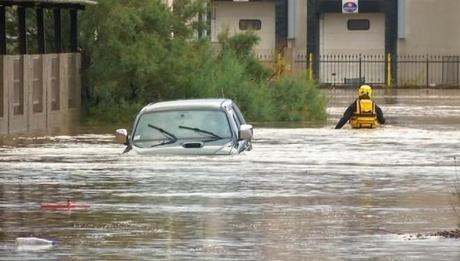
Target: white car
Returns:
[[195, 126]]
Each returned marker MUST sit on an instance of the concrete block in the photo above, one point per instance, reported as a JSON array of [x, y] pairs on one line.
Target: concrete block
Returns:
[[74, 77], [55, 97], [17, 89], [37, 95]]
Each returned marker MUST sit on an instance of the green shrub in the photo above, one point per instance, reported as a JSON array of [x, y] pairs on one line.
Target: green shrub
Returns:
[[291, 98], [297, 99], [141, 52]]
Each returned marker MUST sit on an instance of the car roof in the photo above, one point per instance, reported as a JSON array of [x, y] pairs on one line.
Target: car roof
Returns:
[[188, 104]]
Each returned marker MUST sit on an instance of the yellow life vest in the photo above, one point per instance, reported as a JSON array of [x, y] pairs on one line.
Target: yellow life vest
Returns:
[[364, 116]]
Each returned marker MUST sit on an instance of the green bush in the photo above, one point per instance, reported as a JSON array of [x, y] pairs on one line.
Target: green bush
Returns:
[[236, 74], [290, 98], [297, 99], [225, 76], [141, 52]]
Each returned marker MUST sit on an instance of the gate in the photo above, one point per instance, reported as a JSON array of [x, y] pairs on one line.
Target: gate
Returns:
[[351, 69]]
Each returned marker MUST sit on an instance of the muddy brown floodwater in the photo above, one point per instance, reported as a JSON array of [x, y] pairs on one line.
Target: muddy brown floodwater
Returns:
[[302, 193]]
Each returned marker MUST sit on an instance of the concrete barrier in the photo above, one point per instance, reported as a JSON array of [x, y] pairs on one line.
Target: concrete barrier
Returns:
[[17, 84], [39, 93]]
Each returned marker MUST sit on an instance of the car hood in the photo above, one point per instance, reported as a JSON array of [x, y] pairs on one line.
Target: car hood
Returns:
[[189, 147]]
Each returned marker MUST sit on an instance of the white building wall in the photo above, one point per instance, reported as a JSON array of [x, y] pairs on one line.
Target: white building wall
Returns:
[[432, 27], [335, 38], [226, 15]]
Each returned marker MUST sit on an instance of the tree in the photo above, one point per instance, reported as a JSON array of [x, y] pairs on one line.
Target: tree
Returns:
[[138, 50], [142, 51]]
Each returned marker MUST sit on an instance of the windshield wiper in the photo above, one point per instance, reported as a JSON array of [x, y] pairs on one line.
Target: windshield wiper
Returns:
[[163, 143], [171, 138], [217, 137]]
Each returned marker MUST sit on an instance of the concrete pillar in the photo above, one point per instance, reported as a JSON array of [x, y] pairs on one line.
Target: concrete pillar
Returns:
[[37, 117], [17, 91], [47, 87], [53, 82], [74, 78], [35, 96], [78, 80], [64, 90]]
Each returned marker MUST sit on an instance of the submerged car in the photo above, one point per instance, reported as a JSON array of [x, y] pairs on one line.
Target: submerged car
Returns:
[[195, 126]]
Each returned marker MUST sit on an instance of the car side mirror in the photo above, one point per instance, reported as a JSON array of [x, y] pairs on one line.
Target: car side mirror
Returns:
[[246, 132], [121, 136]]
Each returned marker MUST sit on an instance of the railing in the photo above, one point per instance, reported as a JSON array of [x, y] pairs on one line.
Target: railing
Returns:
[[425, 70], [352, 69]]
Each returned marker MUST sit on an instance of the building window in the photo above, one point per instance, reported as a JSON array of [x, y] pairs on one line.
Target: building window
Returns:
[[250, 24], [358, 24]]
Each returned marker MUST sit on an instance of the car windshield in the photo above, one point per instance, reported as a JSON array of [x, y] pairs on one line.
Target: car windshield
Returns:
[[175, 125]]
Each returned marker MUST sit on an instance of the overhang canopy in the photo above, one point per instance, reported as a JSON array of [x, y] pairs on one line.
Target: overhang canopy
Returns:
[[72, 2]]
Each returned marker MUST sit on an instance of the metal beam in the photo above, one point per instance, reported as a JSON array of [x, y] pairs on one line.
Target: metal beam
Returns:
[[41, 31], [2, 30], [22, 33], [391, 33], [365, 6], [281, 26], [313, 34], [74, 30], [50, 5], [57, 31]]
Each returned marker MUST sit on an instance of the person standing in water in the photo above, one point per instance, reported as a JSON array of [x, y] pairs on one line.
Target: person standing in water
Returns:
[[363, 112]]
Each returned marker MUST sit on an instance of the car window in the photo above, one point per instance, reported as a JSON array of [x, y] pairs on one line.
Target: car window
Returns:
[[236, 120], [238, 113], [214, 121], [234, 123]]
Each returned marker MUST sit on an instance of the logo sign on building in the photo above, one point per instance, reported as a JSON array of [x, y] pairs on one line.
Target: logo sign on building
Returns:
[[350, 6]]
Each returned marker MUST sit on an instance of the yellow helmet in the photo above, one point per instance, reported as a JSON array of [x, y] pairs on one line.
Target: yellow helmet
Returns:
[[365, 89]]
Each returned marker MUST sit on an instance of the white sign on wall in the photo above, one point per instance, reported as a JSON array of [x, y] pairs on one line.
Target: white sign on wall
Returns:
[[350, 6]]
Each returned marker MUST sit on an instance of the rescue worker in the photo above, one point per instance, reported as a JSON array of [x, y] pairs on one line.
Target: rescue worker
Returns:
[[363, 112]]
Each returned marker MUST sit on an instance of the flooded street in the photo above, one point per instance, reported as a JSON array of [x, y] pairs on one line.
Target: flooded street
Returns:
[[304, 193]]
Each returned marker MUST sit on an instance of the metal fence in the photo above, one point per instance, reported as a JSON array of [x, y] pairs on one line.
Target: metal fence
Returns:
[[351, 69], [411, 70], [425, 70]]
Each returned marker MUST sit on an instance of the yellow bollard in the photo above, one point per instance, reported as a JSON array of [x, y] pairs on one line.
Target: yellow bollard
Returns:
[[389, 76], [278, 66], [310, 66]]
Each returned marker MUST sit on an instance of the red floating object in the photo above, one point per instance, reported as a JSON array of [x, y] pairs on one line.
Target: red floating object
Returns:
[[63, 205]]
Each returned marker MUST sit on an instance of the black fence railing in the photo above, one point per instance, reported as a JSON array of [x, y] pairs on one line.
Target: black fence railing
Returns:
[[411, 70], [424, 70], [351, 69]]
